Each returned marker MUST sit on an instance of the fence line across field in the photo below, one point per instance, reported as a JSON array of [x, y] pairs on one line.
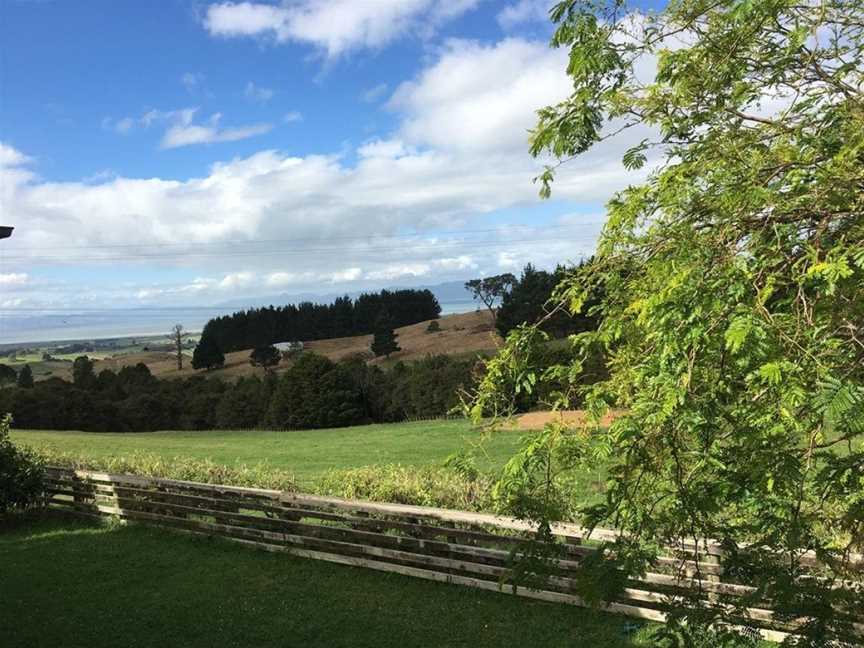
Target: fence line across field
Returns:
[[460, 547]]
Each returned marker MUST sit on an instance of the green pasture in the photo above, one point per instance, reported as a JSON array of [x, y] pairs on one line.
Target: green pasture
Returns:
[[35, 358], [307, 453]]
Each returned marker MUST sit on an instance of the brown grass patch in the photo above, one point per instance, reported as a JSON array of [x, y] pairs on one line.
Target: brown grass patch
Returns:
[[572, 418]]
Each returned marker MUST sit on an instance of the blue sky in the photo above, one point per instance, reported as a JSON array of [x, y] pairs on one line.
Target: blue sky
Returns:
[[187, 153]]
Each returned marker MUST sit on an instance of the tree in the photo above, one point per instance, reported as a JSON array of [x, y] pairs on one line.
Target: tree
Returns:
[[243, 406], [83, 375], [307, 321], [733, 314], [7, 375], [298, 401], [490, 290], [384, 337], [265, 356], [433, 327], [177, 334], [207, 354], [25, 377], [531, 300], [384, 342], [136, 379]]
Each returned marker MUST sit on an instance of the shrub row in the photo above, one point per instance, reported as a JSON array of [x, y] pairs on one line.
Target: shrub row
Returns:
[[423, 486], [313, 393]]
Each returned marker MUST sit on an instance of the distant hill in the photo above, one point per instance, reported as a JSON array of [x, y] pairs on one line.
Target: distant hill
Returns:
[[462, 333]]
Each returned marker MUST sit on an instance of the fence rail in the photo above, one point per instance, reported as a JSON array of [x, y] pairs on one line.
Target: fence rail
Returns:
[[460, 547]]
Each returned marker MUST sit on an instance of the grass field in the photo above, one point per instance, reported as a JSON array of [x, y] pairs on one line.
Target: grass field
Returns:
[[74, 583], [307, 454]]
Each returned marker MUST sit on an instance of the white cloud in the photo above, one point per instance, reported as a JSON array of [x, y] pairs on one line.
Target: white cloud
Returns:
[[147, 293], [243, 18], [271, 195], [293, 116], [284, 279], [508, 260], [349, 274], [481, 98], [13, 279], [191, 81], [334, 27], [383, 148], [524, 11], [374, 93], [183, 115], [391, 272], [203, 286], [281, 279], [458, 153], [451, 159], [124, 125], [449, 9], [100, 176], [257, 93], [197, 286], [237, 280], [11, 157], [462, 262], [449, 171], [13, 174], [185, 135], [121, 126], [182, 131]]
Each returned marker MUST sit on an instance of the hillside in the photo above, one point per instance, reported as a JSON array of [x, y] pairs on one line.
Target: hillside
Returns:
[[460, 333]]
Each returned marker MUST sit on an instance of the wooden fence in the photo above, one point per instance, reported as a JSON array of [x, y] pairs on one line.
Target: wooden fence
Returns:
[[458, 547]]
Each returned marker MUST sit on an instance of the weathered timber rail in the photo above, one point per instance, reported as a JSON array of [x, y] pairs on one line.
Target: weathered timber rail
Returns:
[[471, 549]]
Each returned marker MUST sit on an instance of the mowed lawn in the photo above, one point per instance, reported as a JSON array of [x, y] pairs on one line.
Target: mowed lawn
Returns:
[[79, 583], [307, 454]]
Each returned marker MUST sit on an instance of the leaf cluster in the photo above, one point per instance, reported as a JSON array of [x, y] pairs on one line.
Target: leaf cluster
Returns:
[[733, 307]]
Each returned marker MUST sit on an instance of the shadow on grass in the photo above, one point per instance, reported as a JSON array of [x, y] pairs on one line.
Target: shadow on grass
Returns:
[[68, 582]]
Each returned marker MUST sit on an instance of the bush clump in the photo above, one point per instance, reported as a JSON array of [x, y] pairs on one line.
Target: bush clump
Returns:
[[22, 477]]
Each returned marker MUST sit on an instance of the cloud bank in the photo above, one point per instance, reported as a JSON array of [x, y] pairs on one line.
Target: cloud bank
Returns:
[[367, 215]]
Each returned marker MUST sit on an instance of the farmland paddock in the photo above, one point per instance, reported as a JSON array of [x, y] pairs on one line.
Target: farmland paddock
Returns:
[[459, 547]]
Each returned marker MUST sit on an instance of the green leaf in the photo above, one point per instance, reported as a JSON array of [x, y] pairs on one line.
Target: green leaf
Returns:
[[770, 373], [737, 332], [634, 157]]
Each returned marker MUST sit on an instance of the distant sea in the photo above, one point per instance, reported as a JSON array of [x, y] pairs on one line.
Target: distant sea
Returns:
[[98, 324], [40, 326]]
